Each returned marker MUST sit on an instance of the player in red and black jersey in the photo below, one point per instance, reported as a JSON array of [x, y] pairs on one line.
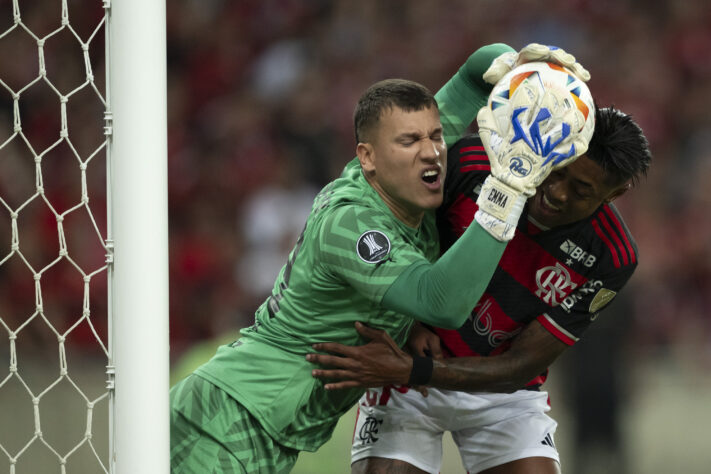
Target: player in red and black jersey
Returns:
[[570, 256]]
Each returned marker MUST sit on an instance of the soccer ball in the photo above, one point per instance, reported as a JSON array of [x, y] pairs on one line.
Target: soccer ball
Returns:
[[548, 76]]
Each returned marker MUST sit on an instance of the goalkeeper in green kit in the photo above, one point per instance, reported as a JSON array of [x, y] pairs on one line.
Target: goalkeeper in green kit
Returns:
[[369, 252]]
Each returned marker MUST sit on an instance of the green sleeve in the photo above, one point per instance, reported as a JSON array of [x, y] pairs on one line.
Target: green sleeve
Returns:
[[466, 92], [443, 294]]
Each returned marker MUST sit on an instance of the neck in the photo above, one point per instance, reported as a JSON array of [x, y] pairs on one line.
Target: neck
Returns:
[[402, 213]]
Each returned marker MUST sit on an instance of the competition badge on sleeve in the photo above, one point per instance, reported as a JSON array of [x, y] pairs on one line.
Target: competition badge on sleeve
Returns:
[[373, 246]]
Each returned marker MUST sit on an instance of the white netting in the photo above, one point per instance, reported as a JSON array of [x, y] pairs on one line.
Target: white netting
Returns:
[[53, 237]]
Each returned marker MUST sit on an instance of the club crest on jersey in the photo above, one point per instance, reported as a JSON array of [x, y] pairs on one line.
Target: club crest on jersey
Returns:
[[554, 284], [373, 246]]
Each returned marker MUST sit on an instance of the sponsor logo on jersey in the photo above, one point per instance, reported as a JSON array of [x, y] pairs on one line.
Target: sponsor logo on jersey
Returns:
[[482, 323], [554, 284], [578, 254], [520, 166], [373, 246], [588, 288], [369, 429], [602, 297]]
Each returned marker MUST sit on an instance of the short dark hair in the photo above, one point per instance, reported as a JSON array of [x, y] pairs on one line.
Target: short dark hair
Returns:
[[406, 95], [619, 146]]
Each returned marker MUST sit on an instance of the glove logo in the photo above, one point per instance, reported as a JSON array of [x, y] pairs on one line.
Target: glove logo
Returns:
[[520, 166], [534, 140]]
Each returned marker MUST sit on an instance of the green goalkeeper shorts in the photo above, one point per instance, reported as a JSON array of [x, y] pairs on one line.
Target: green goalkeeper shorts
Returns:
[[212, 433]]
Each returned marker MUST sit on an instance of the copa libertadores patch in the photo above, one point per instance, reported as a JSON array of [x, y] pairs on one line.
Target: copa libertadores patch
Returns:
[[373, 246]]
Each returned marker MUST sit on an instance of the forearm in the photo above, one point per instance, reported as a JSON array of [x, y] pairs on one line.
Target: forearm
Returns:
[[530, 354], [466, 92], [443, 294], [482, 374]]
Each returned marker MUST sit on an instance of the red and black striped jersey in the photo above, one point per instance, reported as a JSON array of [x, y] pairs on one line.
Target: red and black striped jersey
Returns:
[[562, 277]]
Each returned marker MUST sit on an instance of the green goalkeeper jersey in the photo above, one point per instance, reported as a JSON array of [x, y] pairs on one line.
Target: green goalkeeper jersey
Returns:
[[343, 269]]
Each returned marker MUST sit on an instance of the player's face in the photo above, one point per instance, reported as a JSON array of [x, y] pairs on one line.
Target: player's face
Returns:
[[572, 193], [405, 160]]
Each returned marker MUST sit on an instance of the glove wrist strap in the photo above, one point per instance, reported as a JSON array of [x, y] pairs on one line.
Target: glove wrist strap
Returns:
[[500, 207], [501, 200]]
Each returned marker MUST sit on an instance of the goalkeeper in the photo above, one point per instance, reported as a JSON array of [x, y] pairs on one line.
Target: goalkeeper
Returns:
[[368, 253]]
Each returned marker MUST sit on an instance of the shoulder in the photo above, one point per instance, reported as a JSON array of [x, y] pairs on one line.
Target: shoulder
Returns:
[[611, 240], [467, 162], [354, 216], [468, 148], [350, 226]]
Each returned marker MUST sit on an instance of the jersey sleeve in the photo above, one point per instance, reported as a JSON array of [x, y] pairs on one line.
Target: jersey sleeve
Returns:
[[569, 320], [358, 245], [466, 92]]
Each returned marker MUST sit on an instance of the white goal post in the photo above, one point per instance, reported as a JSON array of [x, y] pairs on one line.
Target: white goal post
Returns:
[[59, 411], [138, 226]]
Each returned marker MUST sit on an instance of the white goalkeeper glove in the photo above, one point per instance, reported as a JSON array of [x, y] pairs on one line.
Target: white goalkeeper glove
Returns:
[[522, 152], [530, 53]]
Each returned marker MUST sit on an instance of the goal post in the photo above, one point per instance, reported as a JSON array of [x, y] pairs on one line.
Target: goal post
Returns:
[[138, 229]]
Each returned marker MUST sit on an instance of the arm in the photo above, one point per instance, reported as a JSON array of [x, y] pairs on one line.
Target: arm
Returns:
[[381, 362], [442, 294], [423, 342], [466, 92]]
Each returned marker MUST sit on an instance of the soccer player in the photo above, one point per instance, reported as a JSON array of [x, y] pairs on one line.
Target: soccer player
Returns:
[[570, 256], [368, 252]]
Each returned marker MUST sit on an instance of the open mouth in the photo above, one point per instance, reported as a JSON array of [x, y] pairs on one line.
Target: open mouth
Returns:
[[430, 176], [548, 206]]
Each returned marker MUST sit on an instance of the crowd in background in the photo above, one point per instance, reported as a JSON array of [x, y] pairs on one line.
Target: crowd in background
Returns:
[[261, 97], [260, 101]]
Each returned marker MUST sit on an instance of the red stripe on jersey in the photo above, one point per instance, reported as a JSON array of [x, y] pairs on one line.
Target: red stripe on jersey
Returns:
[[471, 157], [467, 168], [461, 214], [546, 323], [617, 240], [454, 344], [621, 229], [533, 267], [603, 237], [467, 149]]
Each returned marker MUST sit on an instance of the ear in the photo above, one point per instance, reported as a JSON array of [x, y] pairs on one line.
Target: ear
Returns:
[[617, 192], [366, 156]]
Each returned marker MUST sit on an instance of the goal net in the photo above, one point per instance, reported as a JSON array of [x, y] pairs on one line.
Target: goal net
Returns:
[[75, 395]]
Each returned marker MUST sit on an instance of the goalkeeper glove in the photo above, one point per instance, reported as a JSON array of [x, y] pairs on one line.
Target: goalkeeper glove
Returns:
[[530, 53], [522, 152]]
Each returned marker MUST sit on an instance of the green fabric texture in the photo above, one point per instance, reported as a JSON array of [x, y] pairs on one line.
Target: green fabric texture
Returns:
[[319, 295], [212, 433]]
